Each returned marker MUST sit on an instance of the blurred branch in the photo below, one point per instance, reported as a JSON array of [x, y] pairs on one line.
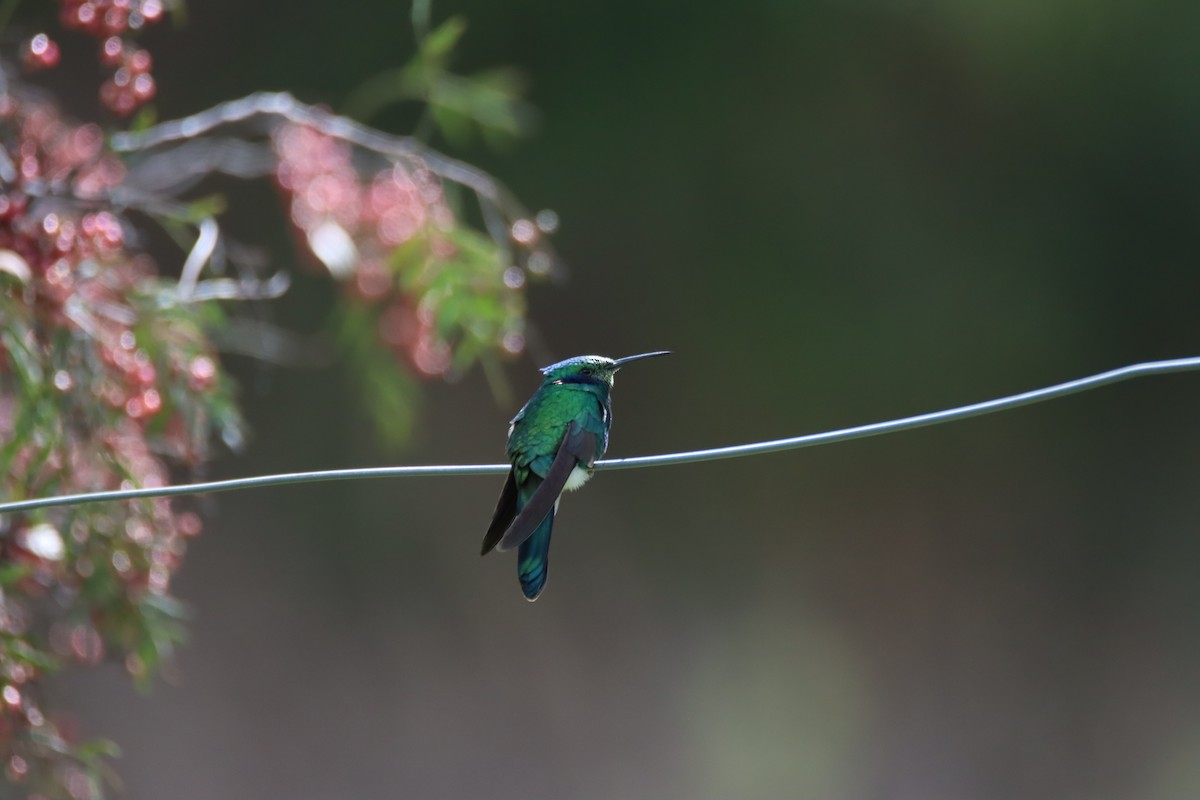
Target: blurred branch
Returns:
[[736, 451], [272, 107], [422, 10]]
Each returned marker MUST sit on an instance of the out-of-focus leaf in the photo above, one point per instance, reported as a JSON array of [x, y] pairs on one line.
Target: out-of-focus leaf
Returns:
[[207, 207], [453, 123], [437, 46], [389, 393], [146, 117], [11, 572], [98, 748], [26, 362]]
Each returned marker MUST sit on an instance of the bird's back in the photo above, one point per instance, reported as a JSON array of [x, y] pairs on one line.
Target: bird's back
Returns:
[[538, 428]]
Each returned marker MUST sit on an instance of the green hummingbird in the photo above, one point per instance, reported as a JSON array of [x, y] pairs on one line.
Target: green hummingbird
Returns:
[[553, 443]]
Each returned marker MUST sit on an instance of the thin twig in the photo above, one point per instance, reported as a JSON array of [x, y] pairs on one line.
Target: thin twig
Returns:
[[736, 451], [206, 243]]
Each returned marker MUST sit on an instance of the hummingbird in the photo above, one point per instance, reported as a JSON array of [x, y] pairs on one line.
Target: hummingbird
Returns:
[[553, 444]]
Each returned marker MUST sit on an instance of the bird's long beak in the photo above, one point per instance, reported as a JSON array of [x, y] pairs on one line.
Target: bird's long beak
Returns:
[[620, 362]]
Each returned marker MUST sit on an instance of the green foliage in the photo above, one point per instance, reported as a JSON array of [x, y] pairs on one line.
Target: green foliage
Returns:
[[487, 104], [98, 388], [108, 372]]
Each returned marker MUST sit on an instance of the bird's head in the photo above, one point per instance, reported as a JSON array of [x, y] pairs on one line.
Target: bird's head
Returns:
[[591, 369]]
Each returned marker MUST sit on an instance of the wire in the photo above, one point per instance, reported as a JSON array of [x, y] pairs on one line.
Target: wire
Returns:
[[908, 423], [714, 454]]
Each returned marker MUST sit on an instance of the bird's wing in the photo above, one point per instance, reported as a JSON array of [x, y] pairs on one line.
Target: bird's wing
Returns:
[[577, 446], [506, 510]]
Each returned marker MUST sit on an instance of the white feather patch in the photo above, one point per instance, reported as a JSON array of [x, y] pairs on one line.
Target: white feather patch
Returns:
[[578, 477]]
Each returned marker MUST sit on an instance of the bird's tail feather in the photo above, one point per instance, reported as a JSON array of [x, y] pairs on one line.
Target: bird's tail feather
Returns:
[[533, 558]]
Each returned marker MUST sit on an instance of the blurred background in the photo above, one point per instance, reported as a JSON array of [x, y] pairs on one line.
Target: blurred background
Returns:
[[834, 213]]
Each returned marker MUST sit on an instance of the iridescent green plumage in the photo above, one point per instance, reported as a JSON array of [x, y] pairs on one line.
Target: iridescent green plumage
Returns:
[[553, 443]]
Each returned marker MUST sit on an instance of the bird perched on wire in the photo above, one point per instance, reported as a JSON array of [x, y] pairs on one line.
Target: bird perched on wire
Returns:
[[553, 443]]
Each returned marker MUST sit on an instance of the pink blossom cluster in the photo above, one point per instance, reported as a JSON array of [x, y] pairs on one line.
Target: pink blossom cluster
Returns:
[[355, 226], [102, 386], [130, 85]]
